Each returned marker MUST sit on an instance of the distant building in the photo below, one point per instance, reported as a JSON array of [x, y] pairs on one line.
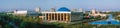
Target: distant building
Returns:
[[20, 13], [81, 10], [74, 10], [52, 10], [38, 9], [96, 13], [108, 11], [33, 14]]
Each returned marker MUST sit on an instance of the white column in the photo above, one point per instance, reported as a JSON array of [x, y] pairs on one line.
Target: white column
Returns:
[[66, 17]]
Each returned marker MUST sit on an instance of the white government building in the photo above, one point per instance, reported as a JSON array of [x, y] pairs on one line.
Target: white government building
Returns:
[[62, 14]]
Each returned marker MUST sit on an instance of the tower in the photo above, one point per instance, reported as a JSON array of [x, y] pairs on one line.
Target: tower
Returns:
[[74, 10], [38, 9], [94, 11], [81, 10], [52, 10]]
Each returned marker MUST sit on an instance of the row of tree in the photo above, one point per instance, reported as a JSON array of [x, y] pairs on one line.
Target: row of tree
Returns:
[[10, 21]]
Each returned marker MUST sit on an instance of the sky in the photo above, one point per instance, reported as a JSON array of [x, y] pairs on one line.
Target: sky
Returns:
[[47, 4]]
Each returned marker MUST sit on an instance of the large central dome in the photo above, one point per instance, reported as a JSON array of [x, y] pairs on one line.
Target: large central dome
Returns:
[[63, 9]]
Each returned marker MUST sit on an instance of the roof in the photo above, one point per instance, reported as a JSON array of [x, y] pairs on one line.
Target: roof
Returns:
[[63, 9]]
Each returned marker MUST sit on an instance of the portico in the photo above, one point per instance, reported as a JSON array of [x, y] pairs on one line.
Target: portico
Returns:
[[57, 16]]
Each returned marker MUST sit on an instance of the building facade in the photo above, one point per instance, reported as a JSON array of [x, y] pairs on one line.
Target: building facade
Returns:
[[97, 13], [20, 13], [63, 15]]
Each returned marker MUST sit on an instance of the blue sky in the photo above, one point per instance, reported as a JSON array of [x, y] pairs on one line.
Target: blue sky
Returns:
[[47, 4]]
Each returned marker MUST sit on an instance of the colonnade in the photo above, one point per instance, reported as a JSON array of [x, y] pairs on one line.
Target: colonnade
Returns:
[[57, 16]]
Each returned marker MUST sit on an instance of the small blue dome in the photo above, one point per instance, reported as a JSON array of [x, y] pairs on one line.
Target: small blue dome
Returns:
[[63, 9]]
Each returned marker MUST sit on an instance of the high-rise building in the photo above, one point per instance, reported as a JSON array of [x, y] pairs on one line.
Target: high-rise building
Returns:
[[81, 10], [94, 11], [38, 9], [74, 10], [52, 10]]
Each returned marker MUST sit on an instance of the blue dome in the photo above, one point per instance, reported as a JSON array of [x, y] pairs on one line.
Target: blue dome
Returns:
[[63, 9]]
